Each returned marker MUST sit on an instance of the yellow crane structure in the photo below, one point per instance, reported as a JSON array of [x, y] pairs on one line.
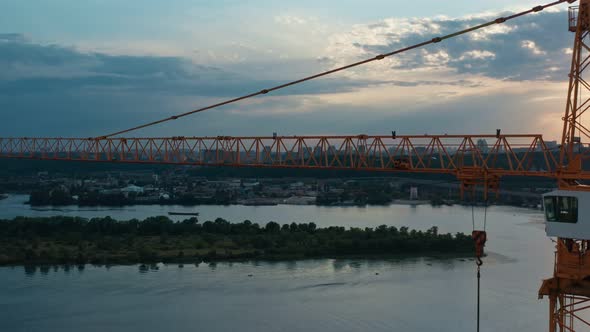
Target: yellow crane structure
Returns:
[[567, 210]]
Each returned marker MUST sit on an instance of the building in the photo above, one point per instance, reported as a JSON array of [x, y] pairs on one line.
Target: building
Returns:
[[132, 189], [413, 193]]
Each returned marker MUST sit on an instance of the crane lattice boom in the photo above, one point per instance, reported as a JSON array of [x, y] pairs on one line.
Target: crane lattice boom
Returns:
[[473, 159]]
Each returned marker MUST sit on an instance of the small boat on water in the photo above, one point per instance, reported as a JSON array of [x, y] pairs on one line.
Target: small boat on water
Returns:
[[183, 213], [261, 203]]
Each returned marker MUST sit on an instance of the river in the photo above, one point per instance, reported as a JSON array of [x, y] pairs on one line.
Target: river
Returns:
[[419, 294]]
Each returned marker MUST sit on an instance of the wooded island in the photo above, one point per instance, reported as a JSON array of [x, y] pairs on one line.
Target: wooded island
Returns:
[[73, 240]]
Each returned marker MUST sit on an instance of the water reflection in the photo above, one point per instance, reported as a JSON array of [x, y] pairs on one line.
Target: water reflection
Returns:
[[45, 269], [338, 265], [355, 265], [30, 270], [328, 287], [331, 295], [335, 266], [291, 265]]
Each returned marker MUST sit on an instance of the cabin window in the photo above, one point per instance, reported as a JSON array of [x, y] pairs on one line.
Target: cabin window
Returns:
[[561, 209]]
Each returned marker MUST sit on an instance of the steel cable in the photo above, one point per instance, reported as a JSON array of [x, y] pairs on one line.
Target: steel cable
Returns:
[[435, 40]]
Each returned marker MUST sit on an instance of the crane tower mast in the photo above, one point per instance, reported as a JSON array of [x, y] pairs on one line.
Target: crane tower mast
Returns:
[[566, 210], [578, 100]]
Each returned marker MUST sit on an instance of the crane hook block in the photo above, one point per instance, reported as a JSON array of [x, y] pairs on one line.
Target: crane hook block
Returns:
[[479, 237]]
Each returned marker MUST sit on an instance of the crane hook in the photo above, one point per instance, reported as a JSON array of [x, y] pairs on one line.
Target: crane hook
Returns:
[[480, 238], [478, 261]]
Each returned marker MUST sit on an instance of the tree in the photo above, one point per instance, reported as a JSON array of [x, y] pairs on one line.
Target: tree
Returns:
[[272, 227], [39, 197]]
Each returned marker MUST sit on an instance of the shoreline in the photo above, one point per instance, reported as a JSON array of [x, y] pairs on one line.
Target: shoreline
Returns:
[[462, 256], [71, 207], [269, 201]]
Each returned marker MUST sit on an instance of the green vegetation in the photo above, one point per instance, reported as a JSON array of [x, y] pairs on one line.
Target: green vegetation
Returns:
[[71, 240]]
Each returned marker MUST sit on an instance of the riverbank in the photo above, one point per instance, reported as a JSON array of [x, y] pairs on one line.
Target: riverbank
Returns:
[[71, 240], [295, 201]]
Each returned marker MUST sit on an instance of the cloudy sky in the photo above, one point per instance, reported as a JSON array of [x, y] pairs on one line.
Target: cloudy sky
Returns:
[[87, 68]]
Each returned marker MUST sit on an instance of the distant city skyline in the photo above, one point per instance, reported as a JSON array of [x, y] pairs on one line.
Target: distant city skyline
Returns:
[[88, 68]]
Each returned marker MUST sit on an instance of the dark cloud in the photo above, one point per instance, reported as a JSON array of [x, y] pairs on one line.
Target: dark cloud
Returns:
[[30, 68], [60, 91]]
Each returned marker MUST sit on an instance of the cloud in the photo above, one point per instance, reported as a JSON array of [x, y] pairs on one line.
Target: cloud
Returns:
[[532, 46], [477, 55], [70, 92], [491, 32], [12, 37], [473, 83], [290, 20], [519, 50], [29, 68]]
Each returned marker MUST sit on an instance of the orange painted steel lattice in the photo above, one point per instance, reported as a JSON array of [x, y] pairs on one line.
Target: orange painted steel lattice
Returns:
[[525, 155], [475, 160], [575, 132], [569, 290]]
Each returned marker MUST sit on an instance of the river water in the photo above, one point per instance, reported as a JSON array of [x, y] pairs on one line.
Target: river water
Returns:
[[419, 294]]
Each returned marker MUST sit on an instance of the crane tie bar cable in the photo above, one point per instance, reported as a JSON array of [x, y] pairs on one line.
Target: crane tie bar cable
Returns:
[[435, 40]]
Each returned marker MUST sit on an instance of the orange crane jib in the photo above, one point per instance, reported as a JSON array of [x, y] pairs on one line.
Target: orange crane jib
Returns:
[[467, 156]]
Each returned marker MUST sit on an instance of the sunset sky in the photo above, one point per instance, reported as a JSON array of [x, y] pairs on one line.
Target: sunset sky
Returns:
[[86, 68]]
